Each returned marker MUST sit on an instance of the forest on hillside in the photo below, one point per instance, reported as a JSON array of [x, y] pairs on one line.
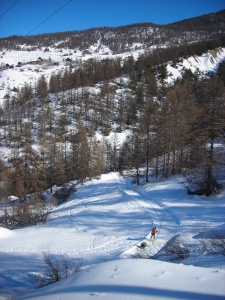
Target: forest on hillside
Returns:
[[50, 129]]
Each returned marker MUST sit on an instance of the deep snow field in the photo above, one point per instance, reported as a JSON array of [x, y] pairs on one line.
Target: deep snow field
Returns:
[[101, 225]]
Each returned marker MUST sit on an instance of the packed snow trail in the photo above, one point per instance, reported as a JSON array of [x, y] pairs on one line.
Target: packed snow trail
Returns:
[[158, 197], [104, 220], [99, 222]]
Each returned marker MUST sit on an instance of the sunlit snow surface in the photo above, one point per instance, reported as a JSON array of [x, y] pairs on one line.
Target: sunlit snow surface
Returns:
[[100, 226]]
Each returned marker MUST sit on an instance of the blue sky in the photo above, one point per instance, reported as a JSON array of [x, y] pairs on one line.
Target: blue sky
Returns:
[[31, 17]]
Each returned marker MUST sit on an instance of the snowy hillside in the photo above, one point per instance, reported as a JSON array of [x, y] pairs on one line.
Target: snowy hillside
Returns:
[[27, 66], [75, 105], [18, 67], [206, 63], [100, 227]]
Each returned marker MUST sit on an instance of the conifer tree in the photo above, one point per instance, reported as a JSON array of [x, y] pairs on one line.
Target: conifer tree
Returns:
[[131, 155], [42, 87], [28, 176], [147, 121], [80, 153], [210, 127]]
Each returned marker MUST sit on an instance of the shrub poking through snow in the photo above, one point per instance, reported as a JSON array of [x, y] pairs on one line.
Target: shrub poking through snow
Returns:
[[63, 194], [215, 244], [55, 269], [175, 249]]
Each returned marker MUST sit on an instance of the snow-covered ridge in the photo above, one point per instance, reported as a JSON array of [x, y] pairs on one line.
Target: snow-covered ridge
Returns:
[[206, 63]]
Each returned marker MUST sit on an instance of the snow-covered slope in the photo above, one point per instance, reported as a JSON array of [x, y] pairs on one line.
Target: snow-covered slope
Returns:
[[137, 279], [28, 65], [206, 63], [101, 225]]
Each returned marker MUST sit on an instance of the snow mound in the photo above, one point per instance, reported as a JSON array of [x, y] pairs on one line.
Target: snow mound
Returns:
[[137, 279]]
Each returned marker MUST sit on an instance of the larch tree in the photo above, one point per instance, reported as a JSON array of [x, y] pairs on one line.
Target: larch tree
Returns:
[[183, 113], [42, 87], [54, 163], [131, 155], [146, 129], [80, 153], [27, 167], [209, 128]]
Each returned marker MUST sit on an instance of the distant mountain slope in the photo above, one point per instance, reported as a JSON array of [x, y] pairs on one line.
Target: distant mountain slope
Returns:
[[209, 22], [124, 38]]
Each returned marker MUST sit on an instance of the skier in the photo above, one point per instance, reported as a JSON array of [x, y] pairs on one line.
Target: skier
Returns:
[[153, 232]]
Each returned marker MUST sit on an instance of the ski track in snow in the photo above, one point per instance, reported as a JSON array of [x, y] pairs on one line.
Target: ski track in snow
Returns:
[[76, 220], [149, 206], [105, 220]]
